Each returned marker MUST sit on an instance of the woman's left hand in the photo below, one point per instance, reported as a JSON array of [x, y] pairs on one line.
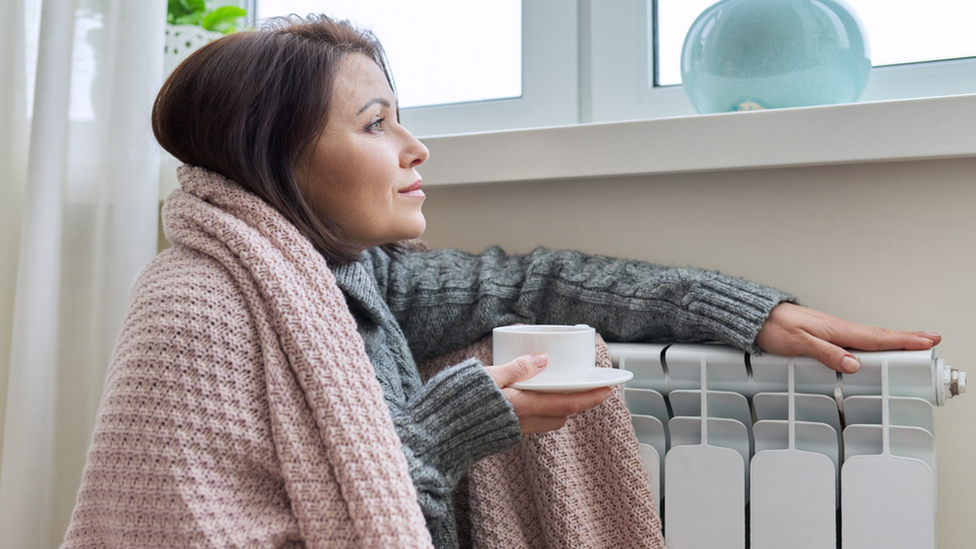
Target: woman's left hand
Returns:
[[540, 412], [792, 330]]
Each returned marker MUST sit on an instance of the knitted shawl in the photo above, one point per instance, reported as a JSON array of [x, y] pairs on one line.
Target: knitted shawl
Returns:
[[334, 446], [582, 486]]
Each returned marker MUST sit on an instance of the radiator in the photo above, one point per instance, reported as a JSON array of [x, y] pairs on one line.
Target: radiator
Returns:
[[768, 452]]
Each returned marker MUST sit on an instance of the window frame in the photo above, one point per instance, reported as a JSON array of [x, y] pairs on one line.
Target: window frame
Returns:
[[550, 81], [587, 61], [622, 52]]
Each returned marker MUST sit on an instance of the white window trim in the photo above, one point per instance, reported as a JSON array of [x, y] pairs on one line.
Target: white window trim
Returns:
[[914, 129], [592, 61]]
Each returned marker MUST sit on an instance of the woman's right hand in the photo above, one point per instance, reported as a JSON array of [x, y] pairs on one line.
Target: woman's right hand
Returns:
[[541, 412]]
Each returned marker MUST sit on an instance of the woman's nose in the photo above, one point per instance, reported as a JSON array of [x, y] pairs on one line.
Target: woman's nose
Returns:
[[414, 152]]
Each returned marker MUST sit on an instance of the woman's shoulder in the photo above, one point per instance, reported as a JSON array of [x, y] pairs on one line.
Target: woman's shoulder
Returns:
[[181, 269], [185, 308], [188, 285]]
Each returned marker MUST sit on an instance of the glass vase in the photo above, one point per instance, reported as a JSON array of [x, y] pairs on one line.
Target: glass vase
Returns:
[[768, 54]]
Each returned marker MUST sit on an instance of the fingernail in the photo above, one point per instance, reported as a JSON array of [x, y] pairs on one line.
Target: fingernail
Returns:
[[540, 360], [931, 335], [849, 364]]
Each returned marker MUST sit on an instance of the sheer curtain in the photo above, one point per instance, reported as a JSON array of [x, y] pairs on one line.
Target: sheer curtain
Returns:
[[79, 180]]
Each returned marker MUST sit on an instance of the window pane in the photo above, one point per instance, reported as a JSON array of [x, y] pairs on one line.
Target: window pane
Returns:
[[899, 31], [440, 51]]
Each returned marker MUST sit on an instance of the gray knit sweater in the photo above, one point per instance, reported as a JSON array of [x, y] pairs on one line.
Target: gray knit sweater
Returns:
[[425, 304]]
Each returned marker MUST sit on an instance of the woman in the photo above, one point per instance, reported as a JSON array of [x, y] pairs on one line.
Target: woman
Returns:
[[264, 390]]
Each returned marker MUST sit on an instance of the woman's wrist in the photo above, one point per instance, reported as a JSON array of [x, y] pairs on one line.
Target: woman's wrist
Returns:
[[459, 417]]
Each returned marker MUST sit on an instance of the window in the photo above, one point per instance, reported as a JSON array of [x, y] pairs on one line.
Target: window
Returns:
[[487, 71], [594, 60], [622, 48], [478, 41]]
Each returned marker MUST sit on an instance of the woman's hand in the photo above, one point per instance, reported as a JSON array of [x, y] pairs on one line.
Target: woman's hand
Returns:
[[792, 330], [541, 412]]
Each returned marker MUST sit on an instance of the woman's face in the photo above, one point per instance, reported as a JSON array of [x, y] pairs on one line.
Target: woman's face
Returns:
[[361, 173]]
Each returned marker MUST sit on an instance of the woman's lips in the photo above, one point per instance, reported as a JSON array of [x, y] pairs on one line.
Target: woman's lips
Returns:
[[412, 190]]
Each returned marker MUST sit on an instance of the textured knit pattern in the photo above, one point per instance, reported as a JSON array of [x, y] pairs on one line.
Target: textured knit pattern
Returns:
[[429, 302], [210, 435], [444, 425], [582, 486], [242, 407], [459, 417], [445, 299]]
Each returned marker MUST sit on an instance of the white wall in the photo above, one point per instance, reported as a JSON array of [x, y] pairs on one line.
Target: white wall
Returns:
[[889, 244]]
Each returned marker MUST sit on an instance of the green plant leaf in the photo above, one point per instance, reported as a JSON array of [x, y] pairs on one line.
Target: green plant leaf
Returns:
[[222, 19], [191, 19], [174, 9], [198, 12], [195, 6], [180, 10]]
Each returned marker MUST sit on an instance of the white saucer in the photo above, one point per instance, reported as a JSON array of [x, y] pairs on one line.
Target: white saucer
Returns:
[[593, 379]]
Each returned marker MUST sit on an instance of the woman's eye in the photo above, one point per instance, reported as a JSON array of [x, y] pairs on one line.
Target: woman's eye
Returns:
[[375, 125]]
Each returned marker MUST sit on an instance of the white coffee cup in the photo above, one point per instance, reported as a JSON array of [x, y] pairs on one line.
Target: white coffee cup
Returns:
[[571, 349]]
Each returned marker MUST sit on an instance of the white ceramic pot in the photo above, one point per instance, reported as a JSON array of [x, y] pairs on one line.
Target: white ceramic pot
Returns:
[[182, 40]]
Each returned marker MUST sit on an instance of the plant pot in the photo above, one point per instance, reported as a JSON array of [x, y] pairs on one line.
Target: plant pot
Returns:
[[181, 41]]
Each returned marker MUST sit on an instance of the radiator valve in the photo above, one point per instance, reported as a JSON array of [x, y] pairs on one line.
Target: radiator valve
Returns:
[[953, 382], [957, 382]]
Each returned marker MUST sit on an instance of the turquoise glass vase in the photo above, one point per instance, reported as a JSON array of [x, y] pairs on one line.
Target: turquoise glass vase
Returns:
[[769, 54]]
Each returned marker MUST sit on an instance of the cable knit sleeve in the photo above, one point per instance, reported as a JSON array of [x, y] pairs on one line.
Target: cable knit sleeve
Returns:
[[445, 299], [446, 424], [459, 417]]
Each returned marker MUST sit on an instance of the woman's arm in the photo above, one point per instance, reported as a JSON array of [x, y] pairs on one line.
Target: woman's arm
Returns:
[[445, 299], [457, 418]]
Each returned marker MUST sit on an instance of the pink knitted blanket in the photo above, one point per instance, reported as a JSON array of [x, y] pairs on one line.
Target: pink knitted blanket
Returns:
[[582, 486], [241, 409]]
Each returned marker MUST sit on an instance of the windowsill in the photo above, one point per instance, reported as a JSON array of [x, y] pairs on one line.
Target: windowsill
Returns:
[[885, 131]]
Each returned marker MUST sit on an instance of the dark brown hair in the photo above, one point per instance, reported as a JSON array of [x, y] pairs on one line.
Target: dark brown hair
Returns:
[[249, 105]]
